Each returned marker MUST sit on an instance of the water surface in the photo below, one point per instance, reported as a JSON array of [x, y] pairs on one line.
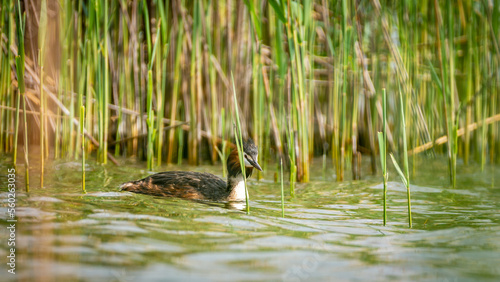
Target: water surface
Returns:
[[331, 231]]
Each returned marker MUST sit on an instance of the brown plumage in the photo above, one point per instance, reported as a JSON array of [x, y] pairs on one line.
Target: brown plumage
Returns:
[[198, 185]]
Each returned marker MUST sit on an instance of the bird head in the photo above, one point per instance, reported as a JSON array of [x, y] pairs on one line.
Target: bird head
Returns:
[[250, 154]]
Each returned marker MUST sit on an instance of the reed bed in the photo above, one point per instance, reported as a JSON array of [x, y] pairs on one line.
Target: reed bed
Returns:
[[154, 78]]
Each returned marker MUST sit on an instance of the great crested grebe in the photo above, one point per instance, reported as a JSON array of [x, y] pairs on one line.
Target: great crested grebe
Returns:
[[200, 185]]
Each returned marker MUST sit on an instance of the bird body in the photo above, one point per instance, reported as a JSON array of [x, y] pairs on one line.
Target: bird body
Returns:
[[201, 185]]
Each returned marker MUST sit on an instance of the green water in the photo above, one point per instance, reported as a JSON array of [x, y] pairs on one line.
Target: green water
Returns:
[[332, 231]]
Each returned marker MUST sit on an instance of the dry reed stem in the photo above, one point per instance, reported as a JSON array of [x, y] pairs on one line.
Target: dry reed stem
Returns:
[[443, 139]]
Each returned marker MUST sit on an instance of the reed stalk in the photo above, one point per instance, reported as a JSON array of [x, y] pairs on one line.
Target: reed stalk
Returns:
[[405, 176], [82, 128], [382, 142], [223, 150], [42, 118], [105, 110], [8, 93], [239, 144], [16, 128], [160, 88], [175, 92], [26, 152], [282, 190], [20, 58], [405, 156], [150, 120]]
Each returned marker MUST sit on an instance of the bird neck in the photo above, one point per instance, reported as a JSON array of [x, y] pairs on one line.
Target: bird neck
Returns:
[[235, 180]]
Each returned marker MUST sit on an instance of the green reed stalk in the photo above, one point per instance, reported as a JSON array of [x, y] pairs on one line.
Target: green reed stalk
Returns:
[[89, 89], [405, 177], [405, 155], [80, 65], [222, 152], [66, 78], [82, 127], [20, 81], [257, 81], [9, 95], [477, 82], [97, 67], [194, 93], [3, 70], [406, 184], [20, 76], [69, 124], [3, 112], [493, 128], [382, 142], [16, 128], [292, 157], [239, 144], [279, 57], [486, 69], [302, 109], [469, 94], [120, 113], [212, 82], [150, 120], [446, 92], [26, 160], [146, 23], [42, 118], [175, 91], [162, 67], [484, 138], [294, 109], [81, 91], [335, 109], [180, 149], [282, 190], [41, 45], [127, 83], [106, 86], [453, 90], [309, 37], [160, 91], [345, 48]]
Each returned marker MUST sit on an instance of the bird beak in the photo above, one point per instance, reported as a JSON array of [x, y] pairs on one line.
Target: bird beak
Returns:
[[254, 164]]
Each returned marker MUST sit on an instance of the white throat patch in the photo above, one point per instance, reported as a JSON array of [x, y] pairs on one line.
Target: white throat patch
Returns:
[[238, 193]]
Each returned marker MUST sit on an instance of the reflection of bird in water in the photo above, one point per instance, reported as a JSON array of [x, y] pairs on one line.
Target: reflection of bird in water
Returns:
[[198, 185]]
